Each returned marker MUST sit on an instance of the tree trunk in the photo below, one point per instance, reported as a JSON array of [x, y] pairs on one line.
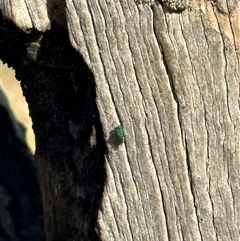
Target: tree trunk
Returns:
[[168, 74]]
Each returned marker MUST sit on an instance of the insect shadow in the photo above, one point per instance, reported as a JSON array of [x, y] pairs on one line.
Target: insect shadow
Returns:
[[116, 137]]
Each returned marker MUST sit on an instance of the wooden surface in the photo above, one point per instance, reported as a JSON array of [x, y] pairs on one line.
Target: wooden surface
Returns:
[[171, 79]]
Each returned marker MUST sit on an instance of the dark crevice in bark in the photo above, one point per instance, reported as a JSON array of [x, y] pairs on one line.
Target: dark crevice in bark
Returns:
[[172, 6], [171, 81], [70, 148], [165, 58], [192, 185], [169, 66]]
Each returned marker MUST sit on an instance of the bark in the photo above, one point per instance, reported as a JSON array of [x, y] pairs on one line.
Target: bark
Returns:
[[168, 72], [69, 144]]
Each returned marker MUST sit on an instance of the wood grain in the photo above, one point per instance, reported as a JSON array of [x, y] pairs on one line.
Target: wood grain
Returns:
[[171, 79]]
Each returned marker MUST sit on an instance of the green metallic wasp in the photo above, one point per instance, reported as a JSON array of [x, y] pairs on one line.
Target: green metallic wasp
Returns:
[[120, 133]]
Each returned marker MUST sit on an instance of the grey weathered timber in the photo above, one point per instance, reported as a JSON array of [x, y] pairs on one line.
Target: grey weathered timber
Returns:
[[170, 77]]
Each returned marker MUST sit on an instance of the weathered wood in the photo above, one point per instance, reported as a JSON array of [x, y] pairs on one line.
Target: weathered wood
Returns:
[[165, 176], [171, 79], [60, 91]]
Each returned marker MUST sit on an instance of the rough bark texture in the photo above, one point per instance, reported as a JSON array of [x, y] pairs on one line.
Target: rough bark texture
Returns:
[[21, 216], [168, 72], [60, 91]]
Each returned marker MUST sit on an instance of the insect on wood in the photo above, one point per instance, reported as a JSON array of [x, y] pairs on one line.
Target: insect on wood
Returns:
[[120, 133]]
